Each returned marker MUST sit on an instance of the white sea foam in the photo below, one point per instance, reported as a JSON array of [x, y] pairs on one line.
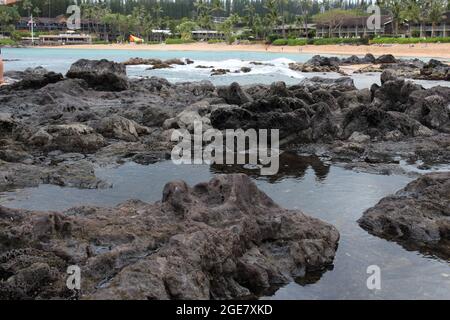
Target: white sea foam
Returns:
[[279, 66]]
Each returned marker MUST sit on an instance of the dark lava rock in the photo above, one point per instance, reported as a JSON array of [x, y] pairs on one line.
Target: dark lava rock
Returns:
[[340, 84], [417, 217], [324, 61], [224, 239], [219, 72], [121, 128], [368, 58], [34, 78], [233, 94], [161, 65], [435, 70], [75, 137], [386, 58], [100, 74]]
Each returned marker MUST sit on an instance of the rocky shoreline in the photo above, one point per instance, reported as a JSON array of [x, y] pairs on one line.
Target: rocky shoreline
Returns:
[[218, 240], [406, 68], [56, 129], [417, 217]]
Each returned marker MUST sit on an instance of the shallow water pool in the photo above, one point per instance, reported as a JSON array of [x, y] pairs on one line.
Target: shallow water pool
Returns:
[[330, 193]]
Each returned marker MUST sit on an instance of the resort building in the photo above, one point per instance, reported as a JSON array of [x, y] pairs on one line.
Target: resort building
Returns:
[[354, 27], [295, 30], [207, 35], [159, 35], [43, 24], [65, 39], [427, 29]]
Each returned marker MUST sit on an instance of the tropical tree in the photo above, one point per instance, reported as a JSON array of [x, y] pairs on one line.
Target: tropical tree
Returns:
[[334, 18], [139, 16], [36, 11], [305, 7], [396, 8], [48, 3], [250, 15], [27, 6], [437, 10], [112, 20], [8, 17], [185, 29], [227, 27], [158, 11], [272, 13], [282, 17], [412, 13]]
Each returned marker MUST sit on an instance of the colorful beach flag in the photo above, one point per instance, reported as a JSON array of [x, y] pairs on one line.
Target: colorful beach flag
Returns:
[[136, 39]]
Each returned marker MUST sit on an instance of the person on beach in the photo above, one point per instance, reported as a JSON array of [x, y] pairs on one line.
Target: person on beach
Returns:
[[1, 68]]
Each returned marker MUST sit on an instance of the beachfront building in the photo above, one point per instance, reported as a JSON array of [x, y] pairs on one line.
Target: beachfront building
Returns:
[[65, 39], [427, 29], [354, 27], [207, 35], [295, 30], [58, 23], [159, 35]]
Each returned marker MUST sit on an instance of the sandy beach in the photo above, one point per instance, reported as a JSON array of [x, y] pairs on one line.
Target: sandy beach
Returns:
[[436, 50]]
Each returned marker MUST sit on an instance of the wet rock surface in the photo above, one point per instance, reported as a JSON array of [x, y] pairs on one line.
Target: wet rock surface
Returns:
[[417, 217], [217, 240], [323, 116], [58, 132], [406, 68], [100, 74]]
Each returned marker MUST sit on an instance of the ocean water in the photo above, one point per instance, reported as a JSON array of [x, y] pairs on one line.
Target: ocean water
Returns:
[[276, 66]]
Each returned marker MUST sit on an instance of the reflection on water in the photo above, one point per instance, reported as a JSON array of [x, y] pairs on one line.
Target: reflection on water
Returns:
[[330, 193], [291, 166]]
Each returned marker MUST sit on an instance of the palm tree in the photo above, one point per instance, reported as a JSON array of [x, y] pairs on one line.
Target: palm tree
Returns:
[[216, 6], [48, 3], [36, 11], [27, 6], [437, 10], [412, 13], [249, 17], [158, 12], [139, 15], [281, 6], [272, 14], [111, 19], [396, 8], [305, 6]]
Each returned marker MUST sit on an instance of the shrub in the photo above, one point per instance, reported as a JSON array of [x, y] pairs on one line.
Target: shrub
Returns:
[[297, 42], [271, 38], [386, 40], [178, 41], [231, 39], [215, 41], [280, 42], [329, 41], [100, 42], [7, 42]]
